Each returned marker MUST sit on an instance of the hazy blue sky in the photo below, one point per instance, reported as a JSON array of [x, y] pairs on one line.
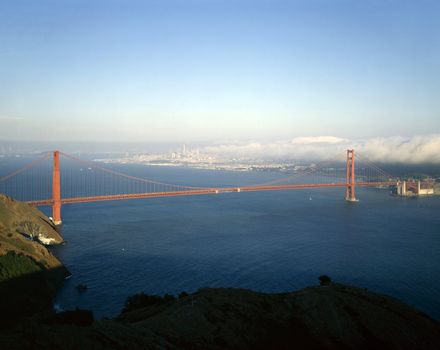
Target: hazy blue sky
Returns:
[[218, 70]]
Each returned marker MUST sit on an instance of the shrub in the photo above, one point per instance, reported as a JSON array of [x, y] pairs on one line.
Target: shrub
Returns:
[[14, 265], [76, 317], [324, 280], [141, 300], [183, 295], [168, 297], [28, 228]]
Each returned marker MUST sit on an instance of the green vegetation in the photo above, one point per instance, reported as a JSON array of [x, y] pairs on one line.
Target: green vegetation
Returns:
[[76, 317], [324, 280], [183, 295], [20, 245], [141, 300], [330, 317], [18, 217], [29, 273], [14, 265], [28, 228]]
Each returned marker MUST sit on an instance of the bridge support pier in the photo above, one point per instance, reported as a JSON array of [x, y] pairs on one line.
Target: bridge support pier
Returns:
[[56, 190], [350, 194]]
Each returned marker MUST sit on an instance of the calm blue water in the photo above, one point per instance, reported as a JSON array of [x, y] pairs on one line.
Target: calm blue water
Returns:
[[267, 241]]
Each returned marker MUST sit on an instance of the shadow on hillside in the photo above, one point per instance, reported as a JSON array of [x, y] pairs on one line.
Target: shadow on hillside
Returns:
[[29, 294]]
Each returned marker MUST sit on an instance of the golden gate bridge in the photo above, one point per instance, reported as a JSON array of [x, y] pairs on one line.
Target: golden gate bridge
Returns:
[[44, 182]]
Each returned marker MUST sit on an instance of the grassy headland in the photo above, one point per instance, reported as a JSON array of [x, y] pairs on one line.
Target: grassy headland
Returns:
[[329, 316]]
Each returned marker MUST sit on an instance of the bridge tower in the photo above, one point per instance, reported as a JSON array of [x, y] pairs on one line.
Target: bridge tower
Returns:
[[350, 194], [56, 189]]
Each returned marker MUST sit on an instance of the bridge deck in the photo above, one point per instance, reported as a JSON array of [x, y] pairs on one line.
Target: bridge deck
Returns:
[[204, 191]]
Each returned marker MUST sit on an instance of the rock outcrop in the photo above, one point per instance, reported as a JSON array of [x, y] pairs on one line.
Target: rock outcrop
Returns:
[[19, 217]]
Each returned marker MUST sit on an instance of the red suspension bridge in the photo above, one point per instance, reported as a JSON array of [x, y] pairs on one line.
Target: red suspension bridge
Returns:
[[87, 181]]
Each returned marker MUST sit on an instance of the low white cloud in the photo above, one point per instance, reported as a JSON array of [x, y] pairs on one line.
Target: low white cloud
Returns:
[[413, 150], [314, 148], [317, 140]]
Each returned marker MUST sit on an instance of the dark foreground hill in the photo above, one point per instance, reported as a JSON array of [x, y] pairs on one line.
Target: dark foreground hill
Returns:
[[331, 316], [323, 317]]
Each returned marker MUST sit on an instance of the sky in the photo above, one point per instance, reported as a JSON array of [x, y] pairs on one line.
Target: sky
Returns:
[[228, 72]]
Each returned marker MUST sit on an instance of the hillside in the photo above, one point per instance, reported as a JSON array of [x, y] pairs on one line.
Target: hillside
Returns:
[[19, 217], [322, 317], [29, 273], [329, 316]]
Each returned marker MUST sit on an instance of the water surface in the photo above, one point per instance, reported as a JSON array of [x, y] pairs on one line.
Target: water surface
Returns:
[[266, 241]]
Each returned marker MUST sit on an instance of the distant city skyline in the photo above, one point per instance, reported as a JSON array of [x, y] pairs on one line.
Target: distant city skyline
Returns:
[[218, 71], [421, 149]]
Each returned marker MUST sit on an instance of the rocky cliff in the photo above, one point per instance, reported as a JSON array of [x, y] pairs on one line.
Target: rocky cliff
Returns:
[[29, 273], [330, 316]]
